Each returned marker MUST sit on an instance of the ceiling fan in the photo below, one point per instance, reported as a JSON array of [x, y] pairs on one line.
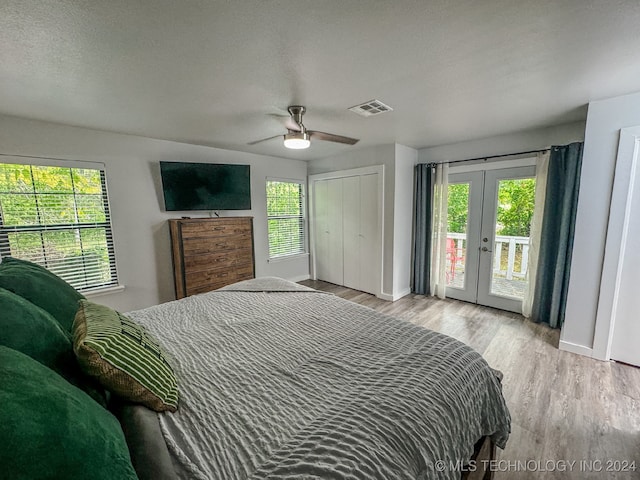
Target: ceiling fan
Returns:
[[299, 137]]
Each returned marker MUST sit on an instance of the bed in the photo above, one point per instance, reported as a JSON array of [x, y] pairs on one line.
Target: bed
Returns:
[[276, 381]]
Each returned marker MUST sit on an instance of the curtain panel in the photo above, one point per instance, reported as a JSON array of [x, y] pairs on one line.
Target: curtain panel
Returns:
[[424, 178], [556, 239], [542, 169], [439, 225]]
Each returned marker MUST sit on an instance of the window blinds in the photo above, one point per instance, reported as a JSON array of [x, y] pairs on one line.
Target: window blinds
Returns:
[[58, 217], [285, 218]]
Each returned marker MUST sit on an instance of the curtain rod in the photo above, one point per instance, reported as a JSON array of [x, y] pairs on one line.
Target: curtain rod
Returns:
[[493, 156]]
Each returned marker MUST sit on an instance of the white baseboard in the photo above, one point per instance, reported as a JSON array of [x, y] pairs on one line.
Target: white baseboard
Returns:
[[393, 297], [403, 293], [574, 348]]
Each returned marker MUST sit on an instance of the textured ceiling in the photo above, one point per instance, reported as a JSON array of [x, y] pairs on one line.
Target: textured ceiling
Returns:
[[214, 72]]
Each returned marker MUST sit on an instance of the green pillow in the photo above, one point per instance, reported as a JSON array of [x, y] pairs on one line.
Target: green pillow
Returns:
[[124, 357], [49, 429], [42, 288], [27, 328]]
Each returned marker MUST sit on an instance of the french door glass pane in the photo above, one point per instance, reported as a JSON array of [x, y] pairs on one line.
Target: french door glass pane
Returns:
[[457, 221], [511, 242]]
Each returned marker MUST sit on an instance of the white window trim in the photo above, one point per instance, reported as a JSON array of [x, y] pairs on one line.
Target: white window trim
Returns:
[[284, 258], [100, 291]]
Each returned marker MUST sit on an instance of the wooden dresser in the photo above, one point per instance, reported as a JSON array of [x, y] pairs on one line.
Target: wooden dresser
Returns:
[[209, 253]]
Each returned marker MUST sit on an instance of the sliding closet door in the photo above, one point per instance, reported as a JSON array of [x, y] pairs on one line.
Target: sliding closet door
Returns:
[[329, 230], [321, 237], [369, 248], [347, 230], [351, 229], [361, 232]]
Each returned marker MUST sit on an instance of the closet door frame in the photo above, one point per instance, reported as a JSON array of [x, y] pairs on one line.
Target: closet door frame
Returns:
[[376, 169]]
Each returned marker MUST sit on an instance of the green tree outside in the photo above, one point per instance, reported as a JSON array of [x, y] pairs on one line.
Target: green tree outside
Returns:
[[457, 207], [515, 207]]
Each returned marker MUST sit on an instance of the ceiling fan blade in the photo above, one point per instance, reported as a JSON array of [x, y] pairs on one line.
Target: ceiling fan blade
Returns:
[[264, 139], [330, 137]]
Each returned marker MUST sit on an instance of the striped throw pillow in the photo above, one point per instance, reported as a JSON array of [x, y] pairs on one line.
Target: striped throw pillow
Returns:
[[124, 357]]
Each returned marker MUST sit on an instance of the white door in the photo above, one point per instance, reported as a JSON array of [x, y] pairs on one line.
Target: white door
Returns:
[[504, 257], [329, 230], [351, 229], [347, 231], [463, 240], [487, 247], [369, 250], [361, 231], [626, 248], [626, 328]]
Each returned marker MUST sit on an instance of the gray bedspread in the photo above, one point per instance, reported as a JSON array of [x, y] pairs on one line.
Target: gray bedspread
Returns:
[[280, 381]]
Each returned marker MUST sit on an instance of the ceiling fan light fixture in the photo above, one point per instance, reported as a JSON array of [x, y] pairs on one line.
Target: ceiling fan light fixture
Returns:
[[297, 140]]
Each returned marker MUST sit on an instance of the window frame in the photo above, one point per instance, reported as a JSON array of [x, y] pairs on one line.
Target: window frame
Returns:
[[302, 217], [107, 224]]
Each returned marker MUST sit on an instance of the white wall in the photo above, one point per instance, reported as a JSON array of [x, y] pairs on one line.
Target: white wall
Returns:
[[405, 160], [378, 155], [140, 228], [398, 161], [505, 144], [604, 121]]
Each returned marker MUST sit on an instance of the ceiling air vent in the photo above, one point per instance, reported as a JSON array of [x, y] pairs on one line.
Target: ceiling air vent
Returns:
[[370, 108]]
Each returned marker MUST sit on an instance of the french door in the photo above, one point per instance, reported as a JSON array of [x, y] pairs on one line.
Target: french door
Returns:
[[489, 217]]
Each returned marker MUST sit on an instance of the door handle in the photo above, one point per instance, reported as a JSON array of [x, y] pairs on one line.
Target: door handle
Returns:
[[485, 249]]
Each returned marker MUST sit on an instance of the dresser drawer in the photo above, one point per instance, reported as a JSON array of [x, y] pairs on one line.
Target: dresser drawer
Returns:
[[201, 246], [217, 229], [226, 258], [216, 277]]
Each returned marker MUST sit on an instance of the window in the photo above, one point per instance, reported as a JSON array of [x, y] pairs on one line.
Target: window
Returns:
[[285, 218], [58, 217]]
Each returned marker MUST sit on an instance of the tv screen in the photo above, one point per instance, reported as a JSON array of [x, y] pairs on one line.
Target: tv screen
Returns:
[[205, 186]]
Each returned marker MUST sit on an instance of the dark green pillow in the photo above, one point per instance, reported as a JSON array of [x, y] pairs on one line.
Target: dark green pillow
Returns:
[[27, 328], [49, 429], [42, 288]]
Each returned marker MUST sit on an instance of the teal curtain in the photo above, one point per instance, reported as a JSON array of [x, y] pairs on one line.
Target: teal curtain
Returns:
[[424, 178], [556, 242]]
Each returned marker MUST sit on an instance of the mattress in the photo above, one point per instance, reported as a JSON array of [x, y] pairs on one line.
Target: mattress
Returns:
[[281, 381]]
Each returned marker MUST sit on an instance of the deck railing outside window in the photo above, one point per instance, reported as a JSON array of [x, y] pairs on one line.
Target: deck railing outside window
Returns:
[[511, 254]]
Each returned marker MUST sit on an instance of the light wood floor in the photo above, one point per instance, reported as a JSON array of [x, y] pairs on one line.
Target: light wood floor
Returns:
[[564, 407]]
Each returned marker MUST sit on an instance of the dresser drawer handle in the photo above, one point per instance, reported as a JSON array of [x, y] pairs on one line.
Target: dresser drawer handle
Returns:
[[219, 228]]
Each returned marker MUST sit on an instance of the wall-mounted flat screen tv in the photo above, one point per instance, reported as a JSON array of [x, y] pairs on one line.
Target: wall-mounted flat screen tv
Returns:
[[205, 186]]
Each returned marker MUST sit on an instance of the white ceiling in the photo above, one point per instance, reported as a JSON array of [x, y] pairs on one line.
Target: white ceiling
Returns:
[[210, 72]]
